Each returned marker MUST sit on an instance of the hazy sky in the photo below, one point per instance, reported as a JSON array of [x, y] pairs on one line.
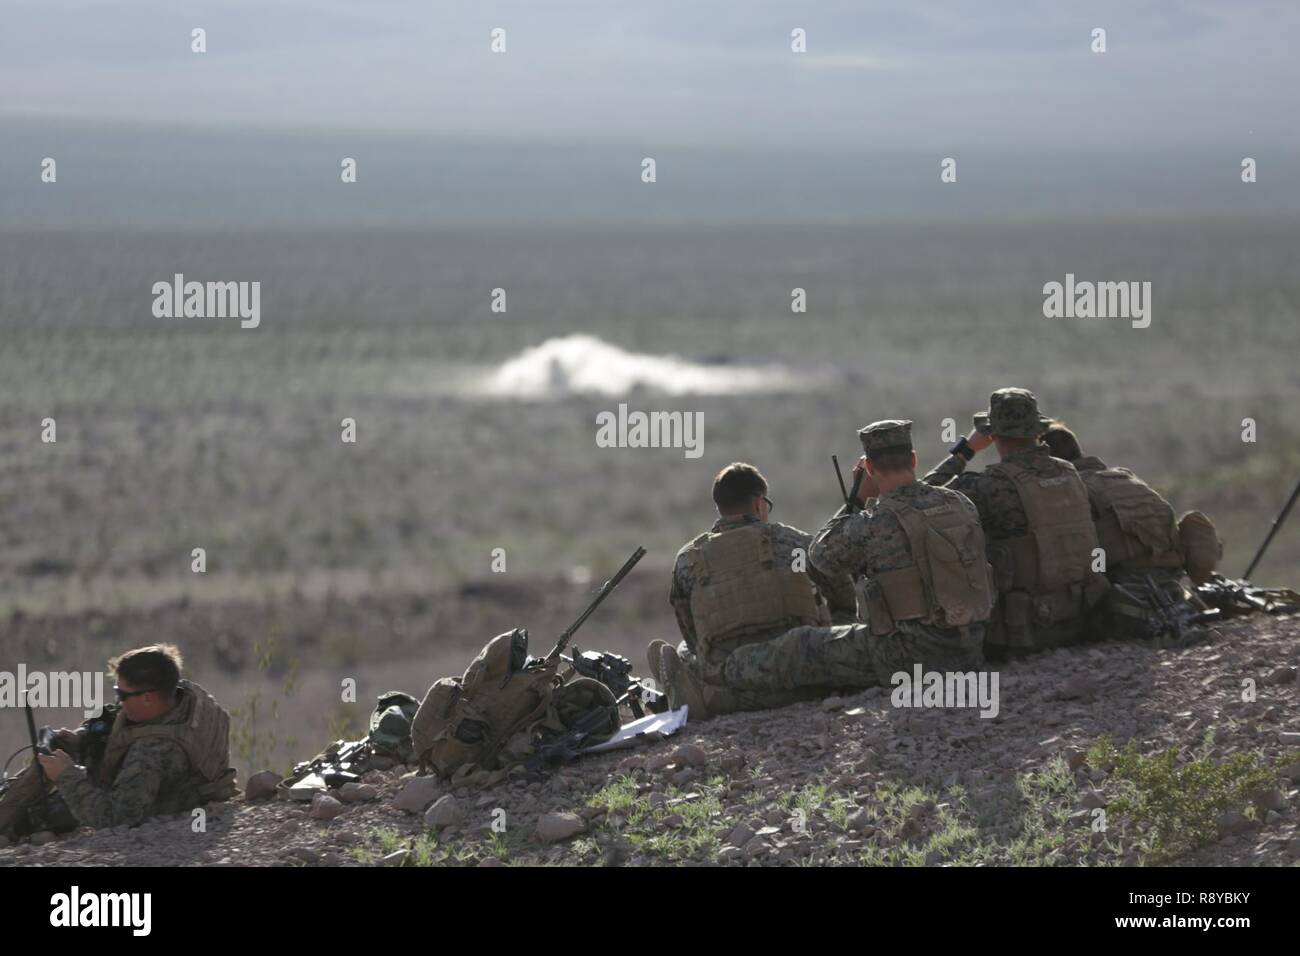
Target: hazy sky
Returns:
[[1002, 74]]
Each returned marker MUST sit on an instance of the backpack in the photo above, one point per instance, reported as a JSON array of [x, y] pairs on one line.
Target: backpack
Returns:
[[390, 724], [473, 728], [1200, 545]]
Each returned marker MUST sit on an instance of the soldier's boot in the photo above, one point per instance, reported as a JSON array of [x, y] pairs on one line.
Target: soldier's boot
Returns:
[[652, 656], [684, 686], [680, 684]]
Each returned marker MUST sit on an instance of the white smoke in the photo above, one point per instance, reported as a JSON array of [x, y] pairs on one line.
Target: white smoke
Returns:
[[583, 364]]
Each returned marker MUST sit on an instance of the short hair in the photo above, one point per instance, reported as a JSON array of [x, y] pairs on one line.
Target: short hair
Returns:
[[735, 485], [891, 458], [1062, 442], [156, 667]]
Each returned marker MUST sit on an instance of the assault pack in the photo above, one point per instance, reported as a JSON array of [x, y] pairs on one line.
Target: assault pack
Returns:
[[509, 709]]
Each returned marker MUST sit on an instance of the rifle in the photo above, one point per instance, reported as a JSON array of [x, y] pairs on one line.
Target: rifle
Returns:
[[848, 496], [566, 746], [1161, 614], [332, 768], [1277, 523], [605, 590], [615, 672], [40, 744], [1232, 597]]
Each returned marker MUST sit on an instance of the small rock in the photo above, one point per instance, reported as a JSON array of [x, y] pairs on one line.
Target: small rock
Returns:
[[690, 755], [774, 818], [733, 763], [358, 793], [1078, 687], [490, 861], [418, 793], [396, 858], [1074, 759], [324, 807], [1290, 771], [262, 785], [1091, 800], [740, 835], [1233, 822], [729, 854], [1280, 675], [858, 822], [832, 703], [658, 762], [554, 827], [304, 853], [1273, 817], [657, 800], [1080, 818], [1273, 800], [42, 837], [673, 820], [1289, 738], [445, 812]]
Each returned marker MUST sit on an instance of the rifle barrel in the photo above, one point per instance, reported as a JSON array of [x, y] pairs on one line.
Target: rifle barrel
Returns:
[[31, 732], [1277, 523], [605, 590]]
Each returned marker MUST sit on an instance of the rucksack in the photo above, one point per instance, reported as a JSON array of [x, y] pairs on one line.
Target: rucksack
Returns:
[[472, 728]]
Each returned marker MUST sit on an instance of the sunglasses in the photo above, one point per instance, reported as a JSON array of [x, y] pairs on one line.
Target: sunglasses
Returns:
[[126, 694], [770, 506]]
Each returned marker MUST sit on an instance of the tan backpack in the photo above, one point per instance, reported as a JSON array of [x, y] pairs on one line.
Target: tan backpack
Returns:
[[1135, 525], [1201, 546], [473, 727]]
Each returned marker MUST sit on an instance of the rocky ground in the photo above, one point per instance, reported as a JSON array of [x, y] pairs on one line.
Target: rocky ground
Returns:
[[846, 780]]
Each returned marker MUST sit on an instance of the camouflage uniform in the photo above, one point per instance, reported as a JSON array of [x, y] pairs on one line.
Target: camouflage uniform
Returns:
[[863, 545], [156, 774], [1130, 610], [1013, 413], [707, 669]]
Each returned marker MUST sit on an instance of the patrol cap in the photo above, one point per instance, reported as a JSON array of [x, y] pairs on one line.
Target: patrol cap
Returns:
[[891, 433], [1013, 412]]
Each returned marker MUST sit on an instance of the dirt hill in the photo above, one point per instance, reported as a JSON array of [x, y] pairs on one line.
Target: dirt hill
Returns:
[[849, 780]]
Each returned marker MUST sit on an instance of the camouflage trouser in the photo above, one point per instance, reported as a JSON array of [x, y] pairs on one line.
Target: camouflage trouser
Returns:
[[721, 698], [849, 656]]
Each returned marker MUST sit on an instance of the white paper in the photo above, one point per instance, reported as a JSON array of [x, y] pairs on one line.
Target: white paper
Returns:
[[629, 735]]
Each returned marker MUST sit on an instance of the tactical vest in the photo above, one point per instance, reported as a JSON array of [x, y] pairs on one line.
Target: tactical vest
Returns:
[[202, 731], [1044, 577], [741, 590], [1135, 526], [947, 585], [469, 727]]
